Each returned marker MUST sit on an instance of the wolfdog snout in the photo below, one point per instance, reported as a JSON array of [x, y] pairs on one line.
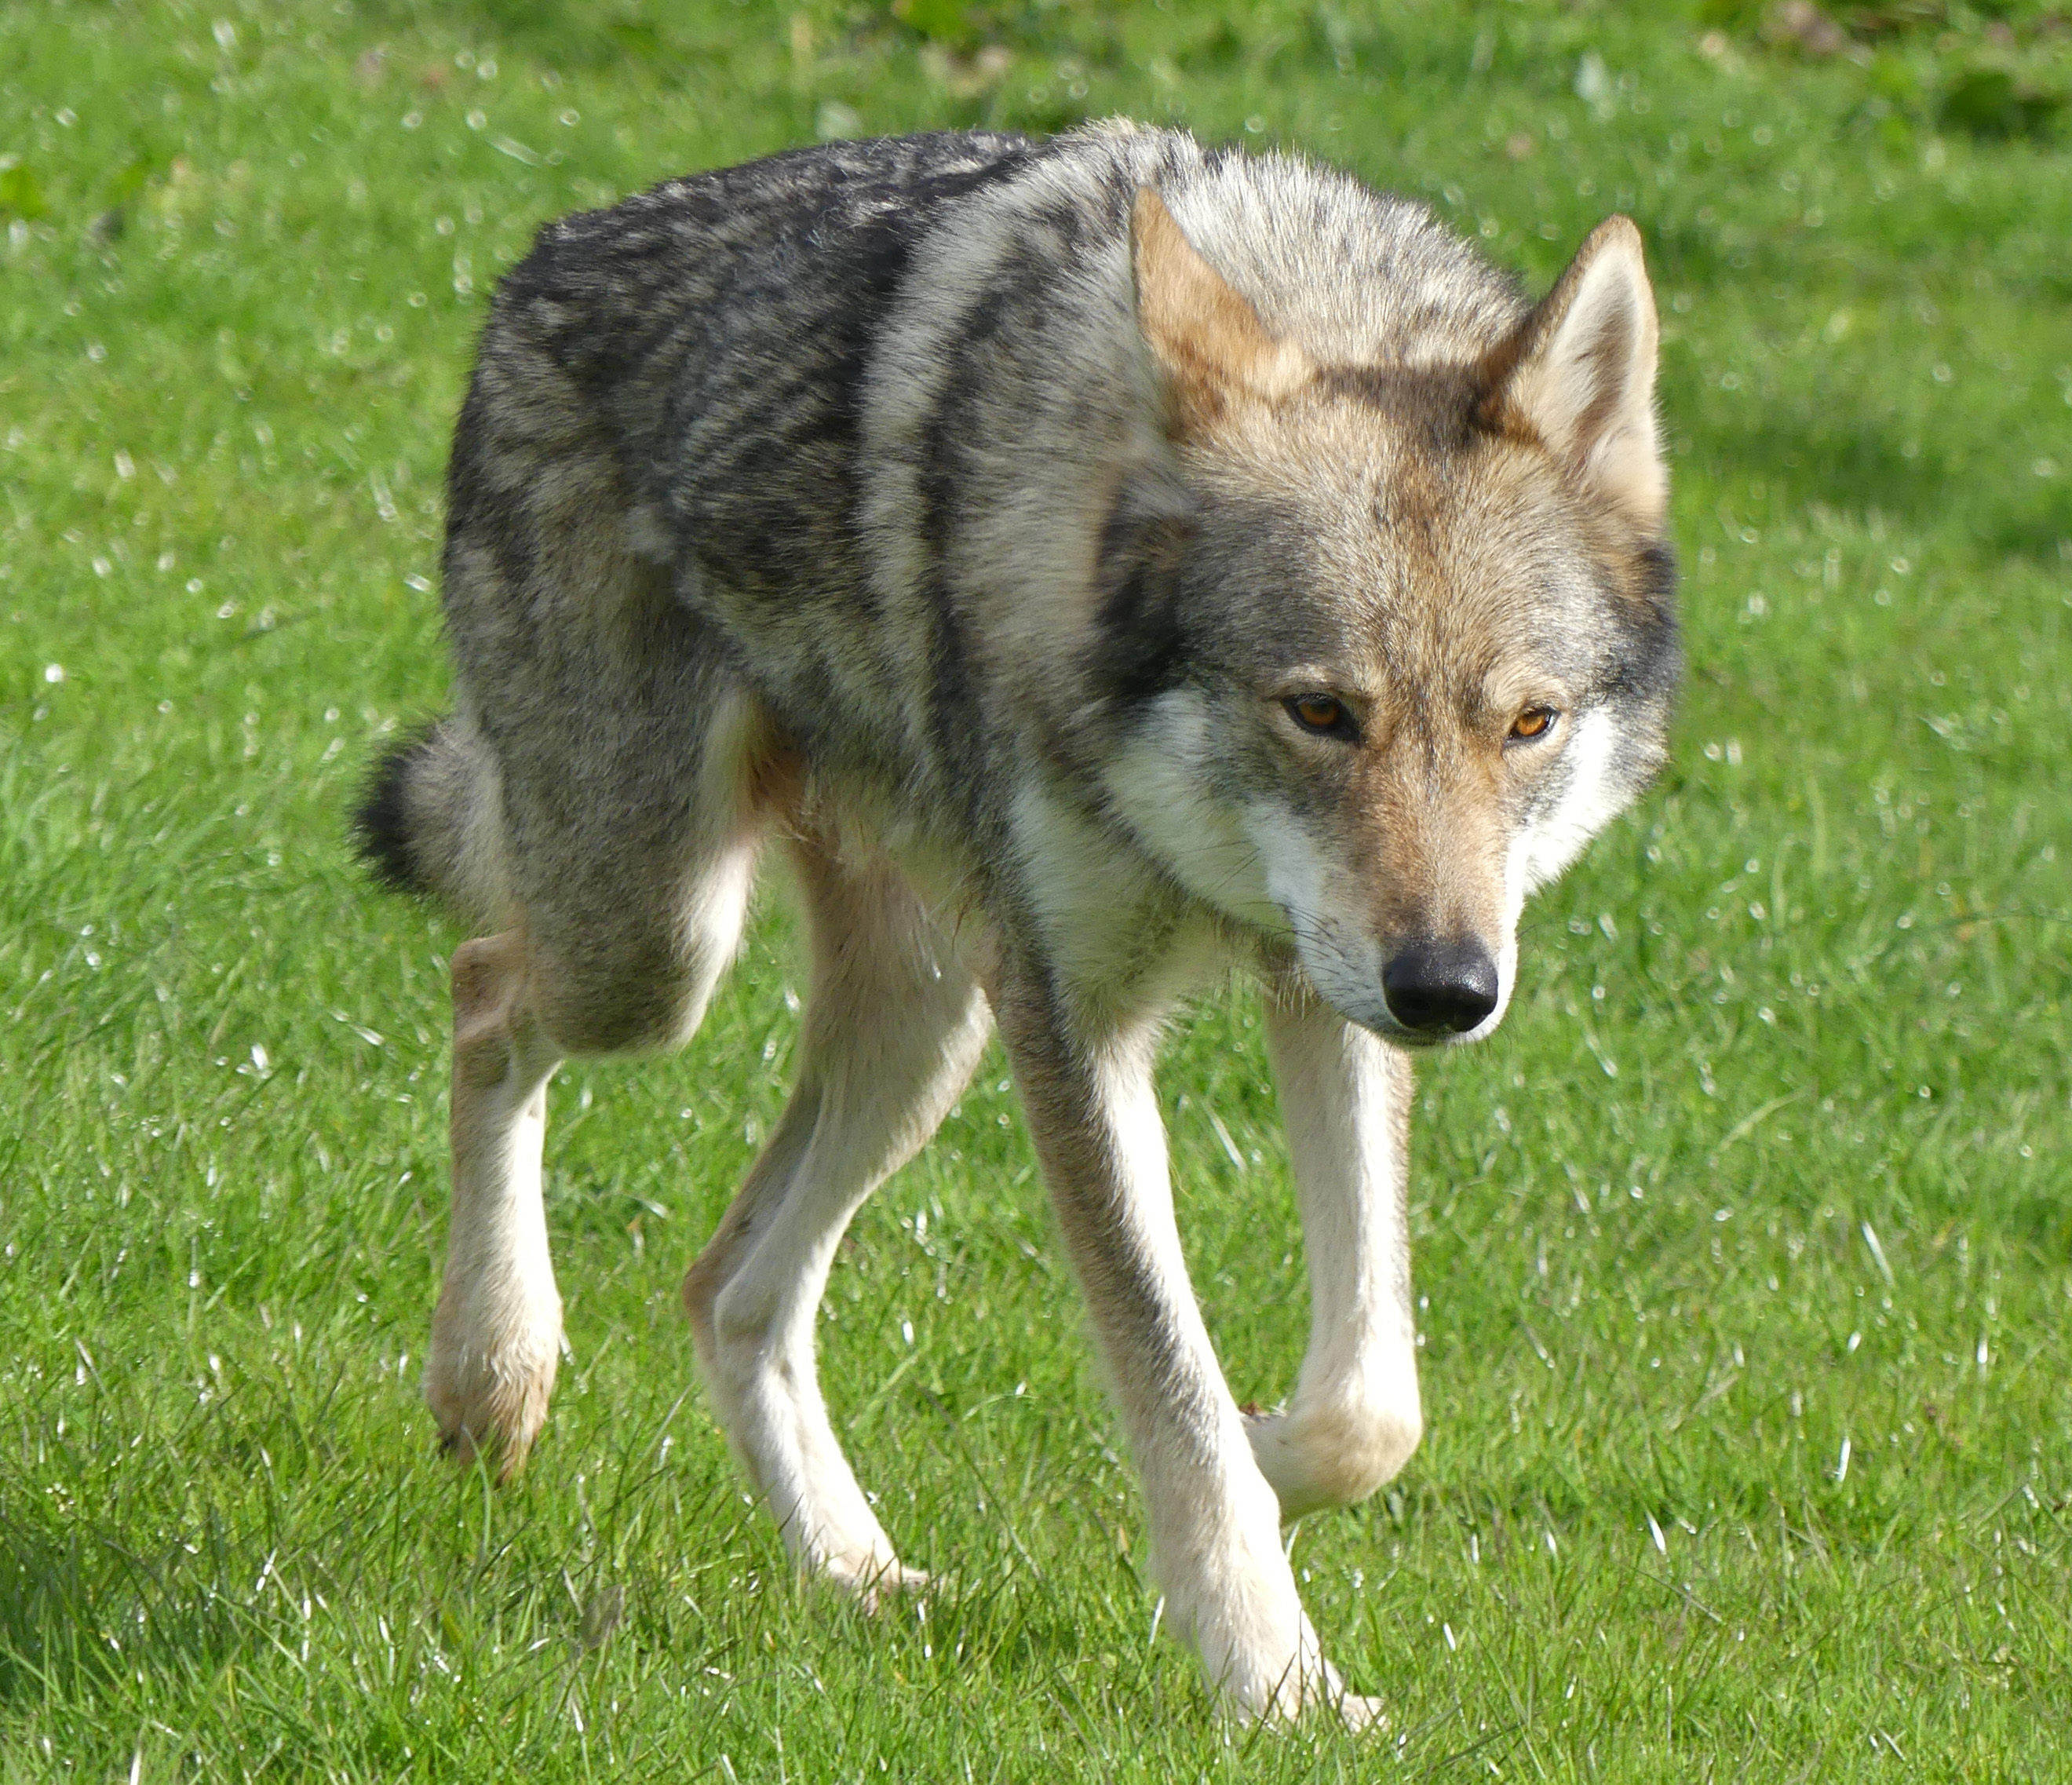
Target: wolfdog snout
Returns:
[[1437, 988]]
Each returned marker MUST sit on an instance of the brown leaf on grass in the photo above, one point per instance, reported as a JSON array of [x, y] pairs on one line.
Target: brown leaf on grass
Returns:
[[965, 77], [1800, 25]]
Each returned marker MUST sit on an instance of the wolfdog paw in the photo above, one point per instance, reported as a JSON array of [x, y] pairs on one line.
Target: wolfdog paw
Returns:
[[873, 1579], [488, 1408], [1321, 1697], [874, 1582], [1357, 1713], [1317, 1457]]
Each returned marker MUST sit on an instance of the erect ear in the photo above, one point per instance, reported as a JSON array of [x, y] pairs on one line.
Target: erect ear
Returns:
[[1579, 374], [1208, 341]]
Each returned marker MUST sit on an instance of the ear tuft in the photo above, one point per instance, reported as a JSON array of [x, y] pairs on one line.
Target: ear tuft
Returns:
[[1579, 375], [1208, 342]]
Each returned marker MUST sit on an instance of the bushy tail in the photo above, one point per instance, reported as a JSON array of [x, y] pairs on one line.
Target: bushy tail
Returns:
[[429, 822]]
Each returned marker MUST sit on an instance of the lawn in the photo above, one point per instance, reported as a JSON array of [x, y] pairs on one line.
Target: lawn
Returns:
[[1744, 1252]]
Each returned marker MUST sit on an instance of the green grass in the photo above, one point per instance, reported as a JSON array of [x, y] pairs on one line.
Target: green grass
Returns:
[[1764, 1176]]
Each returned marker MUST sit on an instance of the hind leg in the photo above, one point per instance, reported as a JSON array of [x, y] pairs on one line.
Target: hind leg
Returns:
[[600, 803], [892, 1031], [498, 1329], [608, 957]]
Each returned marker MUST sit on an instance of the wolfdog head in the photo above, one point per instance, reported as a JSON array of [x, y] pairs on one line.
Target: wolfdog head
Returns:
[[1397, 640]]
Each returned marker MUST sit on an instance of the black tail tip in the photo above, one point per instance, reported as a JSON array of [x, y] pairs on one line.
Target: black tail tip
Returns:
[[381, 821]]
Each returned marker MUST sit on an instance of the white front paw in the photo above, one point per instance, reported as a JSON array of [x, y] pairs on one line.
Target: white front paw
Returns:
[[1282, 1677], [488, 1380], [1331, 1455], [1240, 1611], [874, 1581]]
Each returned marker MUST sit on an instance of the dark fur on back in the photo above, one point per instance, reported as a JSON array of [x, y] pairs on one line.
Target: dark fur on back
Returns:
[[700, 352]]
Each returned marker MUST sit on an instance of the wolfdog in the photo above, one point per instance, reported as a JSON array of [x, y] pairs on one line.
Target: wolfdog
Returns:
[[1092, 562]]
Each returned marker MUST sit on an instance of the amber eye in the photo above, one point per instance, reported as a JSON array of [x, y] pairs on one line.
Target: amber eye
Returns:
[[1322, 714], [1532, 722]]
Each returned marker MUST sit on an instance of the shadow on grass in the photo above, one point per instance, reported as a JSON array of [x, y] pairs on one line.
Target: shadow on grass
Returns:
[[80, 1615], [1843, 458]]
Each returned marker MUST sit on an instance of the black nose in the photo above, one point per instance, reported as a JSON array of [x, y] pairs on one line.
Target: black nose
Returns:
[[1440, 988]]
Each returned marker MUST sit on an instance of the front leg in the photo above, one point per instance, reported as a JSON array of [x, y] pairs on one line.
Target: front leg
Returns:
[[1214, 1520], [1355, 1418]]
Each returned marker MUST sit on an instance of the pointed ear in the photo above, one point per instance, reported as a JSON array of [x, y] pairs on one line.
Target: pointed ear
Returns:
[[1208, 342], [1579, 374]]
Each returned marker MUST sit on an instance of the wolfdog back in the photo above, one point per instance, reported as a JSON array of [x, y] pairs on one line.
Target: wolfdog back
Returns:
[[1094, 563]]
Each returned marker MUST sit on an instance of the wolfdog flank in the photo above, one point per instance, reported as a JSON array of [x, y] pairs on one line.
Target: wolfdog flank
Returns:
[[1091, 563]]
